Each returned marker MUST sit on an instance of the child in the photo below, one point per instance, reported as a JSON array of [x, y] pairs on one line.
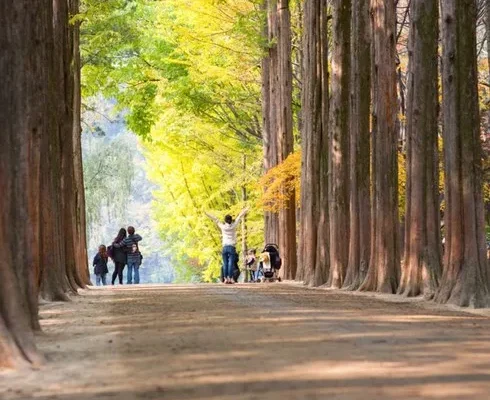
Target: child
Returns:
[[100, 265], [251, 264]]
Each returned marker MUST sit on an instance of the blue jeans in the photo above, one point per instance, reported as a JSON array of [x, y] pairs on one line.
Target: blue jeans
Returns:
[[229, 257], [100, 279], [133, 266], [258, 274]]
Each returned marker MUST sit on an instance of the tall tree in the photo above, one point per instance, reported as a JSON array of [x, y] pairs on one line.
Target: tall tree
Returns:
[[359, 152], [25, 66], [269, 217], [465, 277], [285, 139], [383, 270], [314, 244], [339, 130], [37, 117], [422, 266], [269, 108]]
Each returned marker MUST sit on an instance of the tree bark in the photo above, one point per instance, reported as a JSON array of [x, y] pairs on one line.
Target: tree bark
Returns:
[[359, 155], [80, 224], [422, 259], [314, 205], [383, 270], [465, 277], [25, 67], [54, 284], [244, 227], [339, 143], [285, 139], [269, 112], [38, 167]]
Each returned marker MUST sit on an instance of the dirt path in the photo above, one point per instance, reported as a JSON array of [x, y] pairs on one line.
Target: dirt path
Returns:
[[253, 342]]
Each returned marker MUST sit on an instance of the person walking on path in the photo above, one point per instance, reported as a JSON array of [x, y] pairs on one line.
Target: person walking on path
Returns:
[[130, 245], [228, 231], [100, 265], [119, 257]]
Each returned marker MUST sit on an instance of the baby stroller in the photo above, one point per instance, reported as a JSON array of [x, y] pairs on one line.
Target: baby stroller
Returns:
[[269, 263]]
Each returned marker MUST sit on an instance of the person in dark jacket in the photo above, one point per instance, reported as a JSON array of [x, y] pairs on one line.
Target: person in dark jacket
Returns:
[[100, 265], [119, 257], [130, 245]]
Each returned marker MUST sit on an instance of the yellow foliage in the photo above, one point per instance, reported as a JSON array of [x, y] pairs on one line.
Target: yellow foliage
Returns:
[[281, 183]]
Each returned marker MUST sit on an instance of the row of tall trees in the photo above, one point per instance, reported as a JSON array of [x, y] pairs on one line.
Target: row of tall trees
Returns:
[[277, 92], [350, 231], [42, 210]]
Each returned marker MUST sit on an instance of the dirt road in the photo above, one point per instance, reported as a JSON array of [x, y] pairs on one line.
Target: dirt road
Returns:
[[257, 341]]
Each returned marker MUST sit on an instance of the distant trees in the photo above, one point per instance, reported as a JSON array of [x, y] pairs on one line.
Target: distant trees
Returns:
[[41, 214]]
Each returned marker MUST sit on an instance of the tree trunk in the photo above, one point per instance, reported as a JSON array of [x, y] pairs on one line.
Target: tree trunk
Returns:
[[80, 234], [422, 259], [359, 155], [244, 227], [54, 284], [40, 157], [314, 205], [487, 24], [285, 139], [339, 143], [25, 67], [465, 277], [384, 262], [269, 113], [323, 245]]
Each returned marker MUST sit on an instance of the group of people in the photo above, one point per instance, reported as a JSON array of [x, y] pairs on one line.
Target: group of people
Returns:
[[123, 251]]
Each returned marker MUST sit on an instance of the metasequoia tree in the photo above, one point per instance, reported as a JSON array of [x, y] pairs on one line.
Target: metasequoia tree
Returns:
[[465, 277], [383, 269], [285, 139], [422, 257], [339, 130], [314, 243], [359, 149], [269, 113], [277, 124], [78, 225], [64, 216], [25, 36], [38, 115]]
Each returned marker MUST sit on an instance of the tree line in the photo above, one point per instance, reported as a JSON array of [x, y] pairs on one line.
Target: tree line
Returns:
[[351, 235], [42, 213], [218, 104]]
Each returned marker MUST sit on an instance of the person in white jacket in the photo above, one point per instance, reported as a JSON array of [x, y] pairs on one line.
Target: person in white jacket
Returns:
[[228, 232]]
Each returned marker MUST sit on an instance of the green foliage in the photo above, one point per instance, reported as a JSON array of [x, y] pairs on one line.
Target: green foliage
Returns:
[[107, 177], [196, 171], [186, 75]]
